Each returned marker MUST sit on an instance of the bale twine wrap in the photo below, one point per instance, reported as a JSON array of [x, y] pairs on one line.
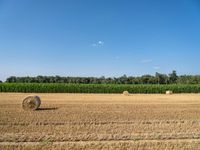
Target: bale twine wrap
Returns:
[[31, 103], [169, 92], [126, 93]]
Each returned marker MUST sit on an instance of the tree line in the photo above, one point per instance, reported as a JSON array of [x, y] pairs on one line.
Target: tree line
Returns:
[[158, 78]]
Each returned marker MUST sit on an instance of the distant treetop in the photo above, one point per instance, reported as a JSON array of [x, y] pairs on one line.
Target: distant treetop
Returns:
[[158, 78]]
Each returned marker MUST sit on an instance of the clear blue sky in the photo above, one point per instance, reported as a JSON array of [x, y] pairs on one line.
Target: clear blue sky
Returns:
[[99, 37]]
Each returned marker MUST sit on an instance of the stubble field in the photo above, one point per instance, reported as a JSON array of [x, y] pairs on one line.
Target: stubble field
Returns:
[[101, 121]]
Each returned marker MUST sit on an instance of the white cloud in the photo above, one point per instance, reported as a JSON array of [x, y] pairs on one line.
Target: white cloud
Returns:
[[156, 67], [94, 45], [117, 57], [144, 61], [98, 44]]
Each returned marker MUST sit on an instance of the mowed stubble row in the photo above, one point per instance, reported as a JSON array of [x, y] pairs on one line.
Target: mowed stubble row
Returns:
[[103, 121]]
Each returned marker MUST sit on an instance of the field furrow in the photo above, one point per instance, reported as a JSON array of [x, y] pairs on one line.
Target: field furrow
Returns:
[[104, 121]]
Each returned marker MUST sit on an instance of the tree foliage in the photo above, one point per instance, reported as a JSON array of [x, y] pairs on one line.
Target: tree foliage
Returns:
[[158, 78]]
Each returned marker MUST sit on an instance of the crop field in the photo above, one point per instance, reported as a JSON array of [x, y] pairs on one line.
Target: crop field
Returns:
[[98, 88], [101, 121]]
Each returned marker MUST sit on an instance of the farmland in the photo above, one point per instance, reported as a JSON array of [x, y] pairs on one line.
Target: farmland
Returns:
[[101, 121], [97, 88]]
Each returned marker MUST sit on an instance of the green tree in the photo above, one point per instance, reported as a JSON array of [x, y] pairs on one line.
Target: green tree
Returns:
[[161, 78], [11, 79], [173, 77]]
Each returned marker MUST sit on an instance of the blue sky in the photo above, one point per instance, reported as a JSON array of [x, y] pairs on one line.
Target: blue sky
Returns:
[[99, 37]]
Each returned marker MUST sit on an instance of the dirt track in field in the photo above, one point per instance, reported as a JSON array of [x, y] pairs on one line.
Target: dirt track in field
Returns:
[[101, 121]]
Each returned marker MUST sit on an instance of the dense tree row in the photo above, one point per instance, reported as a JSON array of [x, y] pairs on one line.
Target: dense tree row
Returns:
[[159, 78]]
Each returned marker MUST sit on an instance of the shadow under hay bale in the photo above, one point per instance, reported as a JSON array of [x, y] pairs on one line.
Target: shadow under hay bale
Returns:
[[31, 103], [47, 108], [126, 93]]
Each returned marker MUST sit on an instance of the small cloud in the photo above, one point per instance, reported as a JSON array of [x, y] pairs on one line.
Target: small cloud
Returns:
[[156, 67], [98, 44], [94, 45], [144, 61], [117, 57]]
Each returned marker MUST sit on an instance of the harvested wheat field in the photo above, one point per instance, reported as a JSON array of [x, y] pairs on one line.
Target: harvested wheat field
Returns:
[[101, 121]]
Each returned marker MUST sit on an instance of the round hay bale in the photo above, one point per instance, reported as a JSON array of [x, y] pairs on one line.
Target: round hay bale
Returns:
[[169, 92], [126, 93], [31, 103]]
